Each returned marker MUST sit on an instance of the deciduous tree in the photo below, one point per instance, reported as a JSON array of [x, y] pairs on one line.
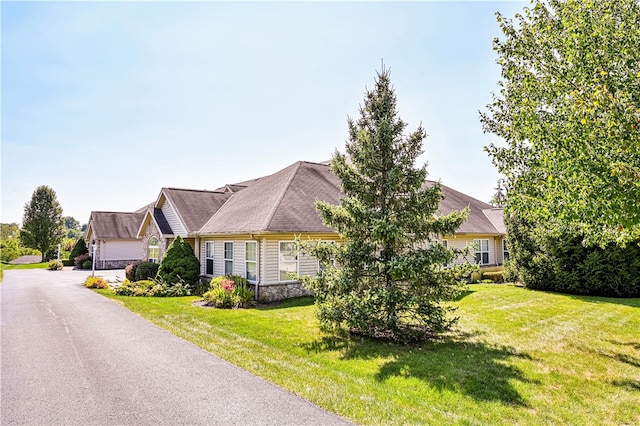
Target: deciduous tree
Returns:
[[569, 110], [42, 222]]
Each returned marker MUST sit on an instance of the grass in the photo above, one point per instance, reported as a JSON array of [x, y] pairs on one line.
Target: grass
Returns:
[[7, 266], [517, 357]]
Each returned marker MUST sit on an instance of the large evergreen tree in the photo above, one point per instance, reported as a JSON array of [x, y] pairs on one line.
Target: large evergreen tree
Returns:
[[179, 263], [42, 222], [569, 111], [391, 277]]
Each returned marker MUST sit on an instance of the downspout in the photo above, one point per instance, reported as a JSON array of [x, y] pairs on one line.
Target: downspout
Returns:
[[259, 266]]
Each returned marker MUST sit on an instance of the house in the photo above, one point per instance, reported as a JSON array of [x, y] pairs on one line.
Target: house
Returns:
[[177, 212], [249, 228], [254, 233], [484, 230], [115, 237]]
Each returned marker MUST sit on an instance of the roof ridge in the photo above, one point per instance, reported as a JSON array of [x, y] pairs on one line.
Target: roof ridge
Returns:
[[109, 211], [194, 190], [283, 191]]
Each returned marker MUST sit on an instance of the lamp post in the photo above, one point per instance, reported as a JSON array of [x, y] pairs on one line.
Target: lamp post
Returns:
[[93, 257]]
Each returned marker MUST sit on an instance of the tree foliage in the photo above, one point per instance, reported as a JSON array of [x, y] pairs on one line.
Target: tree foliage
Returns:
[[179, 263], [569, 111], [391, 280], [562, 263], [9, 230], [42, 222], [72, 227], [78, 249]]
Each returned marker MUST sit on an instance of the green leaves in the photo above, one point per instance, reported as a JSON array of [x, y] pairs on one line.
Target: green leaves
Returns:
[[42, 222], [568, 110]]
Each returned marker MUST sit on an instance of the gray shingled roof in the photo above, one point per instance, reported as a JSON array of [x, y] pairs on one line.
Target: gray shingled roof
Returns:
[[281, 202], [110, 225], [285, 202], [195, 207], [483, 217]]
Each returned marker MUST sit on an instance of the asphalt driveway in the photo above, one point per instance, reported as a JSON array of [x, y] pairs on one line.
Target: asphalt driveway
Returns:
[[70, 356]]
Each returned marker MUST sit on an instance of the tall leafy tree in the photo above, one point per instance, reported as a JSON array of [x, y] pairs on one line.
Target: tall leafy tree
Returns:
[[569, 110], [42, 222], [391, 277]]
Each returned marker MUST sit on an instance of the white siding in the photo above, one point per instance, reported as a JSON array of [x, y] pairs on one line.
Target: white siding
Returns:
[[172, 217], [218, 256], [271, 263], [307, 265], [460, 242]]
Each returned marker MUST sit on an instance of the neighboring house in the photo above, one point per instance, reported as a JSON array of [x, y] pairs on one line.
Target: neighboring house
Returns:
[[483, 231], [177, 212], [249, 228], [253, 233], [115, 237]]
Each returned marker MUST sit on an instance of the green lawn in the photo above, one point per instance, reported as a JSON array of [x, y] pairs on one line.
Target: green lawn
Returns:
[[8, 266], [518, 357]]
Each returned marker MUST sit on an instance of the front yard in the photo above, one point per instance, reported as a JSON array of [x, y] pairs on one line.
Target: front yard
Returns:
[[518, 357]]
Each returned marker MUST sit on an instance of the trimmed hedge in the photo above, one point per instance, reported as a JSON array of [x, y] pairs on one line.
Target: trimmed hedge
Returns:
[[562, 263]]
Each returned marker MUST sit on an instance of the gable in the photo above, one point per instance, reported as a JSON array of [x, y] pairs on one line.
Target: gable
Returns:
[[187, 210], [282, 202]]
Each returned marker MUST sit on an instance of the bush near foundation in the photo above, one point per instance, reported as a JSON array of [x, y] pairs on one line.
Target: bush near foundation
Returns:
[[179, 263], [229, 292], [146, 271]]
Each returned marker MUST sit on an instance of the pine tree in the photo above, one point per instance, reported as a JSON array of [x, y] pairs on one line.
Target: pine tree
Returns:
[[42, 222], [390, 281], [78, 249]]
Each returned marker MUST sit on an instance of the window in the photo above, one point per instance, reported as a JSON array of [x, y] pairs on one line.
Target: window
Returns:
[[288, 257], [251, 261], [505, 250], [445, 244], [208, 257], [482, 251], [154, 250], [228, 258]]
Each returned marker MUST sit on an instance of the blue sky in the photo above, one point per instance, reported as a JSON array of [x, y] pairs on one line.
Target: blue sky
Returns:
[[108, 102]]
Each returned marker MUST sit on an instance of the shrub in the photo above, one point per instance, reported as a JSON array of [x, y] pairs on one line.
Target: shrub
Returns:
[[87, 264], [55, 265], [229, 292], [493, 276], [179, 263], [78, 249], [96, 282], [562, 263], [146, 271], [152, 288], [130, 271], [79, 261]]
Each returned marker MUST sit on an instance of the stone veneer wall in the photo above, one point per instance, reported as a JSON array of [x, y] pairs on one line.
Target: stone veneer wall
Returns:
[[152, 231], [277, 292], [114, 264]]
